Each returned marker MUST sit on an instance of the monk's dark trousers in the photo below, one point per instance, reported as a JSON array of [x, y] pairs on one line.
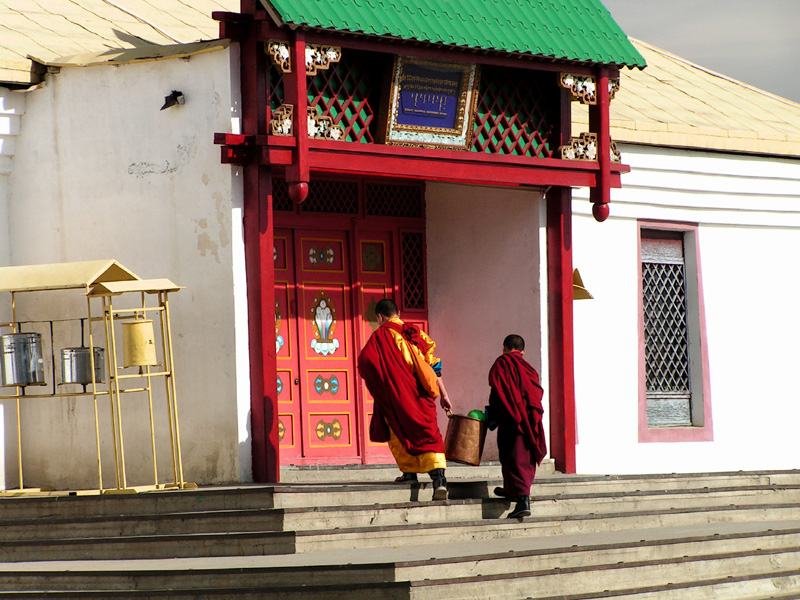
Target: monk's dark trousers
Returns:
[[518, 467]]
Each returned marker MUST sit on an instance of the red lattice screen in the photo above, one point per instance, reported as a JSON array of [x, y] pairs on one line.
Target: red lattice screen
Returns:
[[514, 114], [412, 251], [274, 91], [392, 200], [345, 93], [280, 195], [328, 196]]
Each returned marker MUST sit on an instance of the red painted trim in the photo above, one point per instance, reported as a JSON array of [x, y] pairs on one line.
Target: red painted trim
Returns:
[[439, 165], [372, 151], [675, 434], [561, 344]]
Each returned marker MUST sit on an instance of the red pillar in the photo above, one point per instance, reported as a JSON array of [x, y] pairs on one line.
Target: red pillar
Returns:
[[259, 266], [559, 317], [296, 93], [600, 123]]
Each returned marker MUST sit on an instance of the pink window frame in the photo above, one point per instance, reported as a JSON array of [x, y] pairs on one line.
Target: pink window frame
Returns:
[[699, 433]]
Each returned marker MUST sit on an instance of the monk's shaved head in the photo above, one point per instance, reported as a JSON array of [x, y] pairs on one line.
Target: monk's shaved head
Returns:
[[514, 342], [387, 308]]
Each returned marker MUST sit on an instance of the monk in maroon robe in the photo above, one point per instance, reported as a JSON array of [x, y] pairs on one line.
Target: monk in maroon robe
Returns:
[[515, 404], [400, 371]]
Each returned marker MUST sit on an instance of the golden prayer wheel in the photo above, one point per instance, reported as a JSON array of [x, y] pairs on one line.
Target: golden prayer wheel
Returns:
[[138, 344]]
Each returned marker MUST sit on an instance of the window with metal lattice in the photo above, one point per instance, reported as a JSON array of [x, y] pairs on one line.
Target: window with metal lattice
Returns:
[[674, 385], [666, 339]]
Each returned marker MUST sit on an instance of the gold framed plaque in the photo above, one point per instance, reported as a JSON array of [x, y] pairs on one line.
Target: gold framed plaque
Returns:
[[431, 103]]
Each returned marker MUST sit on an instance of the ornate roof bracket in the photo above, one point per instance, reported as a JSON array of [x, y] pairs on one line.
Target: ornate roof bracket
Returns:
[[280, 54], [281, 121], [321, 127], [584, 147], [580, 148], [319, 58], [584, 87]]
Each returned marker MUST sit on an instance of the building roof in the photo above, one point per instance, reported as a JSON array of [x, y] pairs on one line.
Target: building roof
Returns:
[[674, 102], [576, 30], [52, 29]]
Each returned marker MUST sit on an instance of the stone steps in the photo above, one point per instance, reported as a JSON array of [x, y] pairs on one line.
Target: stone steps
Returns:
[[347, 516], [658, 537]]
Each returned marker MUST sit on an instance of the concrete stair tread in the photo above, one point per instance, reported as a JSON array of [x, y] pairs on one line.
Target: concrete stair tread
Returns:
[[413, 554], [271, 519], [494, 520]]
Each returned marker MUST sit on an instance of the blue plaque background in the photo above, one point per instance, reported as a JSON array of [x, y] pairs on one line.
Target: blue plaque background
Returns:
[[428, 96]]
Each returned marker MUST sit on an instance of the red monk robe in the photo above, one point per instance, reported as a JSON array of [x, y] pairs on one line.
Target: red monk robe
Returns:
[[516, 405], [401, 401]]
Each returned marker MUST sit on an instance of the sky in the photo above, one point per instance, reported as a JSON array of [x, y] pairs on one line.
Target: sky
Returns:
[[754, 41]]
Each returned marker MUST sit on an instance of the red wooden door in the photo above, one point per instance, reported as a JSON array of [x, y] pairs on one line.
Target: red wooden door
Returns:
[[327, 283], [286, 346], [314, 340], [375, 257]]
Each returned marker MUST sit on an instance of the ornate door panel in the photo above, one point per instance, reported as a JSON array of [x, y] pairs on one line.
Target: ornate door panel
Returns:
[[375, 268], [289, 420], [326, 344]]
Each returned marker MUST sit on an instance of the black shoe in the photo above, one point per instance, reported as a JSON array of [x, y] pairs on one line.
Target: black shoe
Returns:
[[407, 478], [523, 508], [498, 491], [439, 484]]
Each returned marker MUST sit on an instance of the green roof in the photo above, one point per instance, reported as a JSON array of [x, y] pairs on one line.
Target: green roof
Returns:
[[575, 30]]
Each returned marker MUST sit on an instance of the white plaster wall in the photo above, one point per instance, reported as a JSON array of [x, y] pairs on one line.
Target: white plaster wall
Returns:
[[748, 215], [101, 172], [483, 284], [12, 107]]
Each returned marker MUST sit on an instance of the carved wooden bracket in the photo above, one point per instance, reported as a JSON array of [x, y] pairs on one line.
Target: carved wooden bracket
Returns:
[[281, 122], [280, 54], [585, 148], [580, 148], [323, 127], [584, 87], [319, 58], [615, 154]]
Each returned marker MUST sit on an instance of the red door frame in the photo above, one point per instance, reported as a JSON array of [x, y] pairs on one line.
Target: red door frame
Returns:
[[259, 153]]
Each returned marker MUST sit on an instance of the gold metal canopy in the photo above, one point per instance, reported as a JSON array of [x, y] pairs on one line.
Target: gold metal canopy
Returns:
[[62, 276]]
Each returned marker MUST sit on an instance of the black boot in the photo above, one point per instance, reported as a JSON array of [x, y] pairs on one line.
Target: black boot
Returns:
[[523, 508], [407, 478], [439, 484]]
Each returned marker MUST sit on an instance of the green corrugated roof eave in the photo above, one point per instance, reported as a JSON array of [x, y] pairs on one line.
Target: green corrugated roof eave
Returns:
[[575, 30]]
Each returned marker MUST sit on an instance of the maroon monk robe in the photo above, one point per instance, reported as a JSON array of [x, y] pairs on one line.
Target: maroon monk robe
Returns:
[[399, 398], [516, 402]]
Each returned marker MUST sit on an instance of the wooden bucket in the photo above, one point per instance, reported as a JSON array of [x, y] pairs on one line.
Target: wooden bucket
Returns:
[[463, 442]]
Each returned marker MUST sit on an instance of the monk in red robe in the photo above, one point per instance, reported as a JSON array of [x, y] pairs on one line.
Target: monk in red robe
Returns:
[[404, 378], [515, 404]]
